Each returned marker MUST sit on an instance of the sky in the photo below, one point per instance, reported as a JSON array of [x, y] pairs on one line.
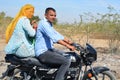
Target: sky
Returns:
[[68, 11]]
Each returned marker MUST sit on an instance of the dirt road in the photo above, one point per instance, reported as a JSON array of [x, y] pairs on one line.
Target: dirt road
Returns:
[[110, 60]]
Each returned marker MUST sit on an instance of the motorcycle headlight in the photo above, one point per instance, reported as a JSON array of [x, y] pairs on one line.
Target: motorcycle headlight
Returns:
[[91, 53]]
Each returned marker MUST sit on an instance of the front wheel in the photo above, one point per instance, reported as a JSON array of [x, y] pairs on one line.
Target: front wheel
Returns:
[[105, 75]]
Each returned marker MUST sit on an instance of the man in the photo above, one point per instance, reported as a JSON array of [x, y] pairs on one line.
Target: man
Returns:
[[45, 38]]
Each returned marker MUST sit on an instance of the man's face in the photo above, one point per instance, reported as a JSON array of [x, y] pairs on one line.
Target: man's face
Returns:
[[50, 16]]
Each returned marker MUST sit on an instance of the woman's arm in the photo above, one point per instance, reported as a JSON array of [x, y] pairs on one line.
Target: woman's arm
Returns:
[[28, 27]]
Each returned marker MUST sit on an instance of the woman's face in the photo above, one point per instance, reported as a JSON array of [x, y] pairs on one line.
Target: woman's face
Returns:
[[29, 12]]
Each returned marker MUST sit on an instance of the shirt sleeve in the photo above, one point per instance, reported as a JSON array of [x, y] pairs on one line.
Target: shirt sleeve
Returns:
[[28, 28], [49, 31]]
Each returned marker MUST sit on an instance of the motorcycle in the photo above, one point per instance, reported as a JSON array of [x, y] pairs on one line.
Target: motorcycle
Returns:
[[80, 69]]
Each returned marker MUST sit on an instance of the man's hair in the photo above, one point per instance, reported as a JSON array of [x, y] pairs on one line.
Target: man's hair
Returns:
[[49, 8]]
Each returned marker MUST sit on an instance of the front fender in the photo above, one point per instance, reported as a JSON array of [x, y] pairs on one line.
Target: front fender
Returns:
[[95, 71], [99, 69]]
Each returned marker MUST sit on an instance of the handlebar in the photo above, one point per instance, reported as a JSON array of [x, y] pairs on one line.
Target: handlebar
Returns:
[[78, 47]]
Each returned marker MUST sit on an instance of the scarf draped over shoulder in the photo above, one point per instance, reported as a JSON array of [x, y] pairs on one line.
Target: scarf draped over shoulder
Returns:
[[11, 26]]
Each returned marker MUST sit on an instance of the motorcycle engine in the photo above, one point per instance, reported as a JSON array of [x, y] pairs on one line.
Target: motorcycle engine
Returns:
[[75, 59]]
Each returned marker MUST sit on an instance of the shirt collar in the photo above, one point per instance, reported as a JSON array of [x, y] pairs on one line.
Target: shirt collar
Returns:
[[47, 21]]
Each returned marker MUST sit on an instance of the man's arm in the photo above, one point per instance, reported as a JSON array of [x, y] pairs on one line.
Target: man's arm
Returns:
[[67, 43]]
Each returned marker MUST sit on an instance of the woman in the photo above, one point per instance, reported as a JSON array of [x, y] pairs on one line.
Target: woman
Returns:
[[18, 33]]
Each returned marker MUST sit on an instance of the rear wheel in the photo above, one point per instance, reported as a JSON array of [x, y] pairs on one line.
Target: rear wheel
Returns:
[[13, 78], [105, 75], [16, 75]]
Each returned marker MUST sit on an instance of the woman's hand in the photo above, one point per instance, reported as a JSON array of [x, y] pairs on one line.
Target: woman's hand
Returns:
[[34, 24]]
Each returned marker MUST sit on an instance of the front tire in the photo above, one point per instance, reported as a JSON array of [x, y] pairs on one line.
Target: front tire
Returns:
[[105, 75]]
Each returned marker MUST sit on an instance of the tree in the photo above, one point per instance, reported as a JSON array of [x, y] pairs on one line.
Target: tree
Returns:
[[36, 18], [2, 15], [55, 22]]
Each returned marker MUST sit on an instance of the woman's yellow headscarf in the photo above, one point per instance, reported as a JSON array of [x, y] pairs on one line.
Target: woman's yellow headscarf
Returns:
[[12, 25]]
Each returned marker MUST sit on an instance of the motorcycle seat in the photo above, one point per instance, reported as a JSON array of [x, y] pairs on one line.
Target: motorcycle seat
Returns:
[[33, 61], [27, 61]]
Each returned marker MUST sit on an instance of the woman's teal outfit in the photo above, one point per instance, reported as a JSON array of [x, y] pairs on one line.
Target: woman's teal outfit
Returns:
[[19, 43]]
